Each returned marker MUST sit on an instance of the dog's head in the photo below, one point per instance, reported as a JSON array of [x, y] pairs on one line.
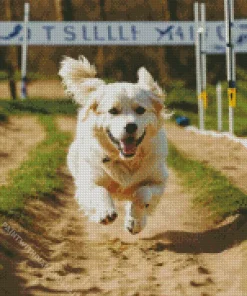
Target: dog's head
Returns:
[[124, 116]]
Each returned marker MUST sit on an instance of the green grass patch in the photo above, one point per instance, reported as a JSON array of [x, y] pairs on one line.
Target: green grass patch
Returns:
[[30, 76], [183, 101], [3, 115], [39, 106], [38, 176], [210, 187]]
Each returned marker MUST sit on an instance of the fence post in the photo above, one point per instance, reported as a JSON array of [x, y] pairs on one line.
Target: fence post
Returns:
[[230, 61], [24, 52], [198, 65], [204, 57]]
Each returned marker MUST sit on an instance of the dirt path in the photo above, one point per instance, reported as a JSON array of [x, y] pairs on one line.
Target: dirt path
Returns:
[[178, 254], [40, 88], [17, 138], [221, 153]]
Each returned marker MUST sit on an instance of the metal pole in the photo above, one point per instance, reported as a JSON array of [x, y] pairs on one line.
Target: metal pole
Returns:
[[204, 56], [198, 65], [219, 105], [24, 53], [230, 61]]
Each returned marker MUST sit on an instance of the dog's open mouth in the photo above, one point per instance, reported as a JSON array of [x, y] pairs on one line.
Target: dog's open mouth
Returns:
[[128, 145]]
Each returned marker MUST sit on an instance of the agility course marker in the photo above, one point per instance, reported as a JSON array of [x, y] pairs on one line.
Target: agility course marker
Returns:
[[230, 62], [204, 98], [24, 52], [198, 67], [201, 69], [232, 96], [219, 105], [204, 57]]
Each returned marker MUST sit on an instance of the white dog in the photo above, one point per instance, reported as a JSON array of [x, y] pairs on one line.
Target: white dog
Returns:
[[120, 145]]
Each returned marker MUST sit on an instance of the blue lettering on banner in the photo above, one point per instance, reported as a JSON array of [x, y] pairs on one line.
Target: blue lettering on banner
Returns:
[[220, 33], [48, 31], [191, 33], [134, 32], [121, 34], [110, 35], [84, 34], [242, 39], [96, 34], [162, 33], [69, 30], [29, 32], [16, 31], [180, 33]]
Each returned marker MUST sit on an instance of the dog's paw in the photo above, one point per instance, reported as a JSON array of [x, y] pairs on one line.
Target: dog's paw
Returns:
[[135, 225], [109, 218], [105, 216], [143, 197]]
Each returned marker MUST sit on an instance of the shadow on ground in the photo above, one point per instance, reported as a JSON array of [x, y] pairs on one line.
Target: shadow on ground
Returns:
[[210, 241], [10, 283]]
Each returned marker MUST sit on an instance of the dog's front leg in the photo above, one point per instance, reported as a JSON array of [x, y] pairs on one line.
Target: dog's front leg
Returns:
[[148, 194], [135, 217], [137, 210], [97, 204]]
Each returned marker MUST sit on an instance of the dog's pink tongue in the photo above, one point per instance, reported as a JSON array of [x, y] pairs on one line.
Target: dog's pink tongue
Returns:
[[128, 148]]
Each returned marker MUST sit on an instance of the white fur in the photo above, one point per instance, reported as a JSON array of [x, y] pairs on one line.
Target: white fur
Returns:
[[101, 171], [79, 77]]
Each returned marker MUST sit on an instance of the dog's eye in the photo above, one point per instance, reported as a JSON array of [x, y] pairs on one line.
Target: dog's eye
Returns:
[[140, 110], [114, 111]]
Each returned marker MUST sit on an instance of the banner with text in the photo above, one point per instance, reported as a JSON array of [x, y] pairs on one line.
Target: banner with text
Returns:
[[122, 33]]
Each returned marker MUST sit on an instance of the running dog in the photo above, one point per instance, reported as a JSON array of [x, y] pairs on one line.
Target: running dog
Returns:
[[120, 147]]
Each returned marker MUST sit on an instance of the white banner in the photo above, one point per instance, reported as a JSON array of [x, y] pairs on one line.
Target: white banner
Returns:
[[122, 33]]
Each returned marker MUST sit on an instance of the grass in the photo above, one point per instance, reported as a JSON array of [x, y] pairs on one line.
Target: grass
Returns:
[[39, 106], [38, 176], [183, 101], [3, 115], [210, 187], [30, 76]]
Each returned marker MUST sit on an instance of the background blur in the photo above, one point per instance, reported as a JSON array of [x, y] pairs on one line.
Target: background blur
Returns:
[[165, 63]]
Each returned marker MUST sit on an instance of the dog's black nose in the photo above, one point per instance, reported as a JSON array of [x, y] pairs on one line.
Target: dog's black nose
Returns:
[[131, 128]]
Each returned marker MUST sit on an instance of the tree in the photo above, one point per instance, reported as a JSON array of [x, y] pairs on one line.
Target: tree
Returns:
[[100, 52], [64, 10], [11, 55]]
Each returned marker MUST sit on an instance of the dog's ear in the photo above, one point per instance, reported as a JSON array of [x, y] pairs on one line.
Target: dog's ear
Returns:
[[78, 76], [158, 104], [146, 81]]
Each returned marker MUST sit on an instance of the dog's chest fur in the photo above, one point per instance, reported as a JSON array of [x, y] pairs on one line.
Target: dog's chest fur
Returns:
[[124, 177]]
